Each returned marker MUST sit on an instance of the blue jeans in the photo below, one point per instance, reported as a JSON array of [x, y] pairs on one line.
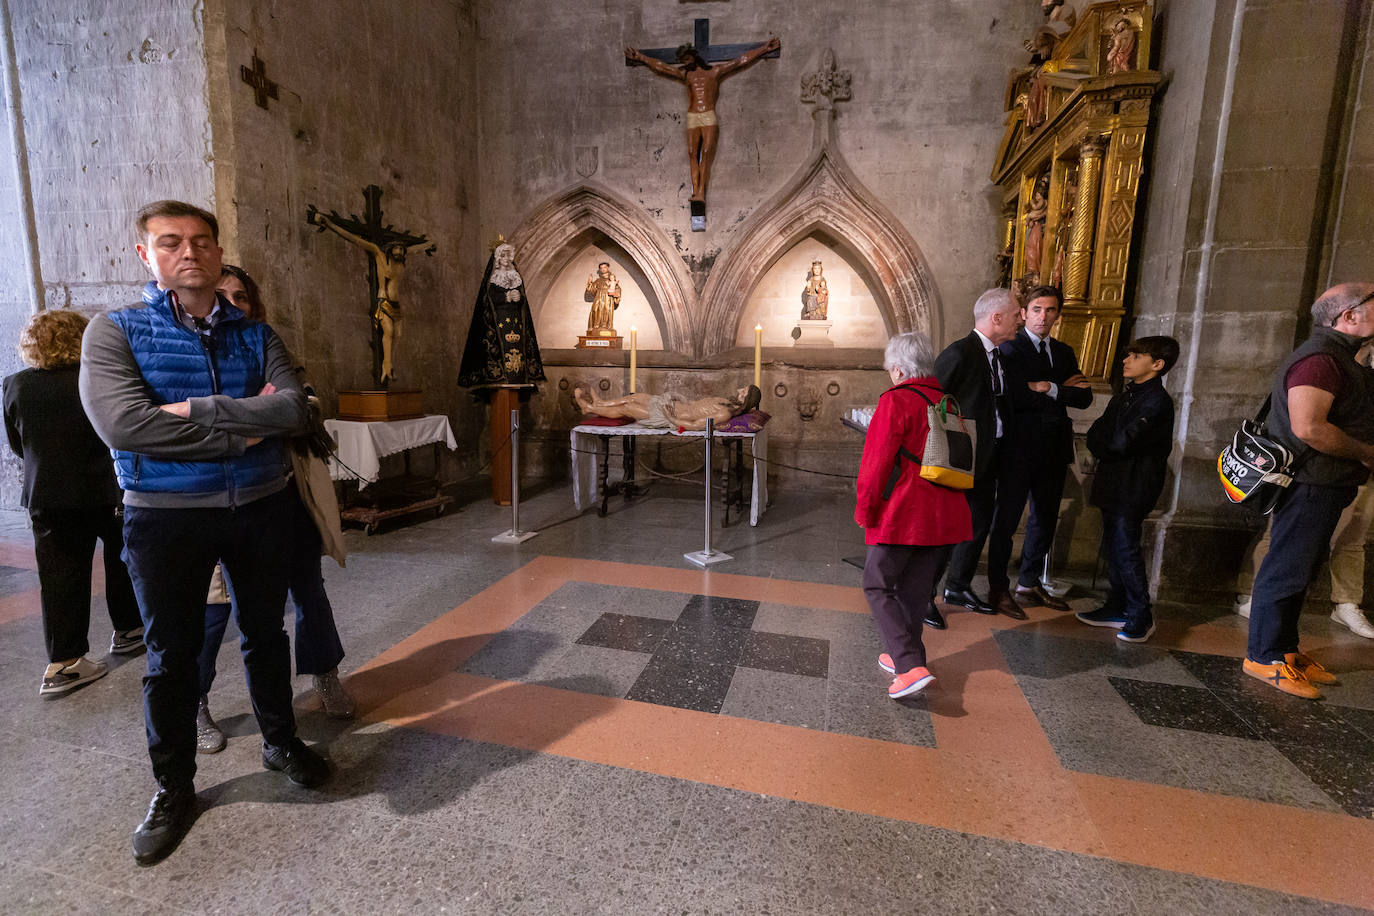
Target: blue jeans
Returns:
[[318, 647], [171, 554], [1130, 589], [1299, 538]]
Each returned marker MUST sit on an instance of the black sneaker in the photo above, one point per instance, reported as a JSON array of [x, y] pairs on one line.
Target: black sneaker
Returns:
[[169, 817], [301, 765]]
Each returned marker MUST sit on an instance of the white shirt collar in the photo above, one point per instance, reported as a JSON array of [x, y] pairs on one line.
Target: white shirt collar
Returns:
[[988, 345]]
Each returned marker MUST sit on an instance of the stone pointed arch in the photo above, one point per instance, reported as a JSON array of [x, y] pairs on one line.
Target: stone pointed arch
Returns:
[[824, 196], [559, 227]]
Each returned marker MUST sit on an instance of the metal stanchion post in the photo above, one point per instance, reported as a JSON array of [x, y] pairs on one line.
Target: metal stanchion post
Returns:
[[706, 556], [514, 535]]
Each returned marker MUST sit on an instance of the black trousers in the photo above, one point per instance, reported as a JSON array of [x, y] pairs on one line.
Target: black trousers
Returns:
[[171, 554], [63, 544], [1042, 483], [982, 505], [897, 582], [1299, 539]]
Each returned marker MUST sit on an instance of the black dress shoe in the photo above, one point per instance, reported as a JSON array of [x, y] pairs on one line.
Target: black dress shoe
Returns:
[[1037, 596], [934, 619], [967, 599], [1004, 603], [301, 765], [169, 816]]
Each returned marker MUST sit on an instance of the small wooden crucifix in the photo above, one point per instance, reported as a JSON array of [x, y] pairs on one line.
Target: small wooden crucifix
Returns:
[[387, 247], [692, 65], [256, 76]]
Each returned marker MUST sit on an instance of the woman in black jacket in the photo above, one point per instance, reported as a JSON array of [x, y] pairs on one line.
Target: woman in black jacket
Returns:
[[70, 492]]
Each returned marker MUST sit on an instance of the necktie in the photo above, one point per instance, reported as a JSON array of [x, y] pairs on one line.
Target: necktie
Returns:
[[1045, 354], [996, 373]]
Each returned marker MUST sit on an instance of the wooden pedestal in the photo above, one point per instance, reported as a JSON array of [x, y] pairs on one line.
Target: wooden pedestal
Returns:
[[599, 343], [503, 401], [383, 404]]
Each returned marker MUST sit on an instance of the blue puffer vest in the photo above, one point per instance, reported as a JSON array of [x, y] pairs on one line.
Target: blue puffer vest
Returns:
[[177, 366]]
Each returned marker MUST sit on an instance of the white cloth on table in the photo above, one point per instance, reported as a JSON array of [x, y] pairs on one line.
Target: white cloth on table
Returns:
[[362, 446], [586, 455]]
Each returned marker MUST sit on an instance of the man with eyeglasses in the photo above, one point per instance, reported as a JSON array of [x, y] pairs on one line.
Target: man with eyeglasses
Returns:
[[1321, 410]]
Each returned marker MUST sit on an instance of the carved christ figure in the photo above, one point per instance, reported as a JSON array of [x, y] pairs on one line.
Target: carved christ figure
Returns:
[[603, 290], [386, 307], [664, 411], [703, 88]]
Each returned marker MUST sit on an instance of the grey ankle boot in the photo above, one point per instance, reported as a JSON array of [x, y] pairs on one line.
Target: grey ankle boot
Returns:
[[209, 739]]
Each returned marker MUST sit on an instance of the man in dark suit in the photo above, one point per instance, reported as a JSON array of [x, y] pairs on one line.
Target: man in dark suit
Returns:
[[1046, 382], [971, 370]]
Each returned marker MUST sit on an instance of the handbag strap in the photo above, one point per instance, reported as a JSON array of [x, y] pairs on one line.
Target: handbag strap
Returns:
[[1264, 408]]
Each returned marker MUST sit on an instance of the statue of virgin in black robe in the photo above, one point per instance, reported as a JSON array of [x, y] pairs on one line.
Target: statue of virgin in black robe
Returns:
[[501, 348]]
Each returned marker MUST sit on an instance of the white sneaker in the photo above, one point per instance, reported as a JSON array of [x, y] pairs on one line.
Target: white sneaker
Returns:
[[59, 678], [1242, 606], [1352, 618]]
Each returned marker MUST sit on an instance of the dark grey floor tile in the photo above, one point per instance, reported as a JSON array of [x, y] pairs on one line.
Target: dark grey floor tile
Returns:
[[1362, 720], [621, 631], [699, 642], [787, 654], [1175, 706], [1048, 656], [770, 696], [699, 686], [1285, 719], [1343, 771], [866, 712], [1215, 671], [730, 612]]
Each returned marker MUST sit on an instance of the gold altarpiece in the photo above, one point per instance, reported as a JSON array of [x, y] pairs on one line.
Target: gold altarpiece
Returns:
[[1069, 168]]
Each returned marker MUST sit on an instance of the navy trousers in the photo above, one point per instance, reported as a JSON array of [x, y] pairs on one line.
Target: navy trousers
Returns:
[[63, 542], [1130, 587], [1030, 478], [171, 554], [318, 647], [1299, 539], [897, 581]]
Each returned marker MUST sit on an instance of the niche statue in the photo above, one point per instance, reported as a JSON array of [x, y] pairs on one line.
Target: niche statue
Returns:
[[815, 295]]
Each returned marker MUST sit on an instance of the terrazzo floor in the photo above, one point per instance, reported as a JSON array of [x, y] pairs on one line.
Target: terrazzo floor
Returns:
[[585, 723]]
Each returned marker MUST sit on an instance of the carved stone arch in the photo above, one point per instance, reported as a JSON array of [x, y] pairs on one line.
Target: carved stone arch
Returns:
[[562, 225], [825, 197]]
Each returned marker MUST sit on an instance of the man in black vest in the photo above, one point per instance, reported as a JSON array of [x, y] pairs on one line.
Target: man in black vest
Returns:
[[971, 370], [1322, 411], [1041, 437]]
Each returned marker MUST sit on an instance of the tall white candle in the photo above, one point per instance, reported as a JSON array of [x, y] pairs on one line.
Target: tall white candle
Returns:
[[758, 353], [634, 353]]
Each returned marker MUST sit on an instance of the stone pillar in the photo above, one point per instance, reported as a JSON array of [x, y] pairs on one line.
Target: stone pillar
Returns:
[[1078, 259]]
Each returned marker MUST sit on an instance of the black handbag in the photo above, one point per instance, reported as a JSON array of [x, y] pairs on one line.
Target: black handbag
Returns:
[[1256, 469]]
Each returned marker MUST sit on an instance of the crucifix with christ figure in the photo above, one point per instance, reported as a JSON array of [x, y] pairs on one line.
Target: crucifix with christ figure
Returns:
[[691, 64]]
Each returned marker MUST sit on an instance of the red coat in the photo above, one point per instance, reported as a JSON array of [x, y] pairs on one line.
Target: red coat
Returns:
[[918, 512]]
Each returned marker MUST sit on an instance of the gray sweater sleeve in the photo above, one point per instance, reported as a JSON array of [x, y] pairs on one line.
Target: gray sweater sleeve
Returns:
[[121, 407], [279, 414]]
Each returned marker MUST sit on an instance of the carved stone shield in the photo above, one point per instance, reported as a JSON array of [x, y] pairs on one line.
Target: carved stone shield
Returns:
[[586, 160]]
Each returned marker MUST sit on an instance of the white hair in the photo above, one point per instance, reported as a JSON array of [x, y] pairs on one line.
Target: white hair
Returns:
[[911, 353], [995, 300]]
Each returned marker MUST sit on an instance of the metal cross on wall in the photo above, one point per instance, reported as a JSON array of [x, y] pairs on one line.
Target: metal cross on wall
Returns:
[[256, 76]]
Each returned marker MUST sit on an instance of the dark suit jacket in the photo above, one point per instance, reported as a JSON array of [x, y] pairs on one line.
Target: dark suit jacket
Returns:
[[1040, 427], [962, 369], [66, 466]]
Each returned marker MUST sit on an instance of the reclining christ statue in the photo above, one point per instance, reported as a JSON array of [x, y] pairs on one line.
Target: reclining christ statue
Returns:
[[667, 411]]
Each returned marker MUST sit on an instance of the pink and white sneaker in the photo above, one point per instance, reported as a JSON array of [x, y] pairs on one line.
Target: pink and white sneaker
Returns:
[[913, 681]]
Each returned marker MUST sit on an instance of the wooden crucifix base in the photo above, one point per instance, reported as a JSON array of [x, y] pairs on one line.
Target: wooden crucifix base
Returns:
[[380, 404]]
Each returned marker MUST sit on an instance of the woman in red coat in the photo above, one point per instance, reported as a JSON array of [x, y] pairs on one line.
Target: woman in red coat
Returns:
[[909, 523]]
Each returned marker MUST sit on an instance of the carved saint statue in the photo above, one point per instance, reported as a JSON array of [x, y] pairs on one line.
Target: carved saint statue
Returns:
[[389, 259], [815, 295], [669, 411], [1035, 226], [1122, 49], [603, 292], [1063, 231], [703, 89], [501, 347], [1057, 13]]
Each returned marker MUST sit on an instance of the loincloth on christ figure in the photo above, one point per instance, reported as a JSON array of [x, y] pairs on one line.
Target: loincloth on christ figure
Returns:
[[388, 307], [659, 405], [701, 119]]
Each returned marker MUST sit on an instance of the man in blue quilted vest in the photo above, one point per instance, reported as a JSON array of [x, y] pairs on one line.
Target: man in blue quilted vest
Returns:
[[195, 402]]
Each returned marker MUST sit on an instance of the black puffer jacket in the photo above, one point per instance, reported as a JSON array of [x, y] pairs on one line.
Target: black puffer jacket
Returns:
[[1132, 441]]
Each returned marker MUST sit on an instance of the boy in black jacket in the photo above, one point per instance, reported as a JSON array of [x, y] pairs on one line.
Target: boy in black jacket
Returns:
[[1132, 441]]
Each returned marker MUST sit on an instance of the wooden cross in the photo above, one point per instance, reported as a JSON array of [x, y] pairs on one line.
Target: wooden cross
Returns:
[[256, 76], [701, 40]]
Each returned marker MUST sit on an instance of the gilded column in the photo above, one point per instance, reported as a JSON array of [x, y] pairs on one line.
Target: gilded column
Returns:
[[1078, 259]]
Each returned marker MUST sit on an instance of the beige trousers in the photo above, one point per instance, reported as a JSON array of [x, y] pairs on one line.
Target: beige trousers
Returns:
[[1347, 552]]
